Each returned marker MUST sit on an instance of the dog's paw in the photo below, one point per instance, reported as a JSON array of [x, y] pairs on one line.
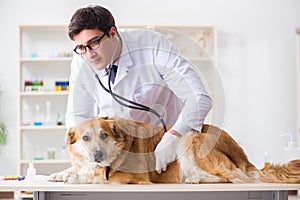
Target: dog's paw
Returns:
[[71, 178], [83, 179], [62, 176], [192, 180], [56, 177]]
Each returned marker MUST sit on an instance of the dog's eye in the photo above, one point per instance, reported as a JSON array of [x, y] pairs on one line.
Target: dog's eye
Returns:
[[86, 138], [103, 135]]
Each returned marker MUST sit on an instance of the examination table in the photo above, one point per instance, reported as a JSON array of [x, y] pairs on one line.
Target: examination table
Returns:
[[44, 190]]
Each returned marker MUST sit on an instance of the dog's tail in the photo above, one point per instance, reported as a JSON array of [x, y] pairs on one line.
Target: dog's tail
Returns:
[[285, 173]]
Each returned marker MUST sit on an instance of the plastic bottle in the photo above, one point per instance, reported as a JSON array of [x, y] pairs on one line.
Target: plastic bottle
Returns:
[[25, 115], [267, 159], [48, 109], [37, 121], [64, 153], [31, 172], [291, 152], [59, 120]]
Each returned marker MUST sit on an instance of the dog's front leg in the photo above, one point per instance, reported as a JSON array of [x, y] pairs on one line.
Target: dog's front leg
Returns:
[[92, 173], [62, 176], [129, 178]]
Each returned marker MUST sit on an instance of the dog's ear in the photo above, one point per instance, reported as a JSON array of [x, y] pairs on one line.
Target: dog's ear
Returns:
[[71, 135], [110, 123], [113, 126]]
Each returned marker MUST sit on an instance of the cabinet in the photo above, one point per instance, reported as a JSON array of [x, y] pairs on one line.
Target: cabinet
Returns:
[[298, 84], [44, 59]]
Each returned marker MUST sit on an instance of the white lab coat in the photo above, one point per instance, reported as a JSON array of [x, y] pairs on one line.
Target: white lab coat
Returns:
[[151, 72]]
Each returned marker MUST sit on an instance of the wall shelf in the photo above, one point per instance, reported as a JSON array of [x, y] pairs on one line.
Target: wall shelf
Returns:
[[36, 128], [47, 161], [58, 59], [45, 93], [44, 54]]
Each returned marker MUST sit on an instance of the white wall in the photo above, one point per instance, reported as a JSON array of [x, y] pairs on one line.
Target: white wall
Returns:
[[257, 60]]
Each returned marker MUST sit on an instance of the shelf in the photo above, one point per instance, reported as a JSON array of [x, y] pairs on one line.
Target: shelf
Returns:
[[45, 52], [47, 161], [45, 93], [39, 27], [56, 59], [33, 128]]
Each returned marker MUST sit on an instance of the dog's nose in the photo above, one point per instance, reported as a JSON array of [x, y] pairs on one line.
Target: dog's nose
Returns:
[[98, 156]]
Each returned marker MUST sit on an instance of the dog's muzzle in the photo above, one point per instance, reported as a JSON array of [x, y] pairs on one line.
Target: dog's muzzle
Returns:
[[99, 156]]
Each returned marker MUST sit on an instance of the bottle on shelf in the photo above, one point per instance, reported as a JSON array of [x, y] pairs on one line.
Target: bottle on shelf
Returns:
[[64, 153], [37, 121], [59, 119], [48, 109], [25, 115], [38, 154]]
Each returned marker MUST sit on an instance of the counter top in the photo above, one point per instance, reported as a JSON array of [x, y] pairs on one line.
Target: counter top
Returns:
[[41, 184]]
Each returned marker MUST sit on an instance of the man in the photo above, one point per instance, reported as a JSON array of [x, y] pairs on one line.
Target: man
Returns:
[[150, 71]]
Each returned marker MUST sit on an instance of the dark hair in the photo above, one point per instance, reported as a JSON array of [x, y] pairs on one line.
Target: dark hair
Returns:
[[91, 17]]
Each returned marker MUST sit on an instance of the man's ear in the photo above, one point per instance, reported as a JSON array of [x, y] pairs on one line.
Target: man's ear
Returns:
[[71, 135]]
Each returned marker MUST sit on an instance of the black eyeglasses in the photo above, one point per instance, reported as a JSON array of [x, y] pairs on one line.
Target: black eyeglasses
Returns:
[[92, 45]]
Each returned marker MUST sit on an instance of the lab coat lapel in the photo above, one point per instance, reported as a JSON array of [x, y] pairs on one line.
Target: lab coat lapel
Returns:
[[124, 63]]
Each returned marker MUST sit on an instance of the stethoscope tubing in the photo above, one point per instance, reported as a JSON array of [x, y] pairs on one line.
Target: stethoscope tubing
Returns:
[[118, 99]]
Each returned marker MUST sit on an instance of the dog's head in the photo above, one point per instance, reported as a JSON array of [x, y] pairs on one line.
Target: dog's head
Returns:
[[102, 138]]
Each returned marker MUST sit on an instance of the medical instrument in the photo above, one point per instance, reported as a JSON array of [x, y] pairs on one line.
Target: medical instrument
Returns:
[[126, 102], [48, 113], [9, 178], [37, 121]]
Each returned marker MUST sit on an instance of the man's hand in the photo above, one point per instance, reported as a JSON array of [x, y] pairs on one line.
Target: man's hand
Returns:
[[165, 151]]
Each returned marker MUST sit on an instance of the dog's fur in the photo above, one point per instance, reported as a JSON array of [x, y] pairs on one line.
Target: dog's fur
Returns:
[[112, 149]]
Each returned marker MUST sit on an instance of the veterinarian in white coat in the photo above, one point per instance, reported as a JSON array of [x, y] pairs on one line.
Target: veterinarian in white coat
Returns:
[[150, 71]]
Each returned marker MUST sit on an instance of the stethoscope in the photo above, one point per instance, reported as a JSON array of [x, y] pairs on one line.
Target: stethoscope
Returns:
[[121, 100]]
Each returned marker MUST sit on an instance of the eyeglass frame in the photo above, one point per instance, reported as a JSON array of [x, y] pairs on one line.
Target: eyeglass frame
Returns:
[[89, 45]]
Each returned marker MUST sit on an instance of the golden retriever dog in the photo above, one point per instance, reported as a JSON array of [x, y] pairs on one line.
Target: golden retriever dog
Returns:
[[112, 149]]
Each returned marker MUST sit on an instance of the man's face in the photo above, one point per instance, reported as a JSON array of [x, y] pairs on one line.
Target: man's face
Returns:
[[100, 56]]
